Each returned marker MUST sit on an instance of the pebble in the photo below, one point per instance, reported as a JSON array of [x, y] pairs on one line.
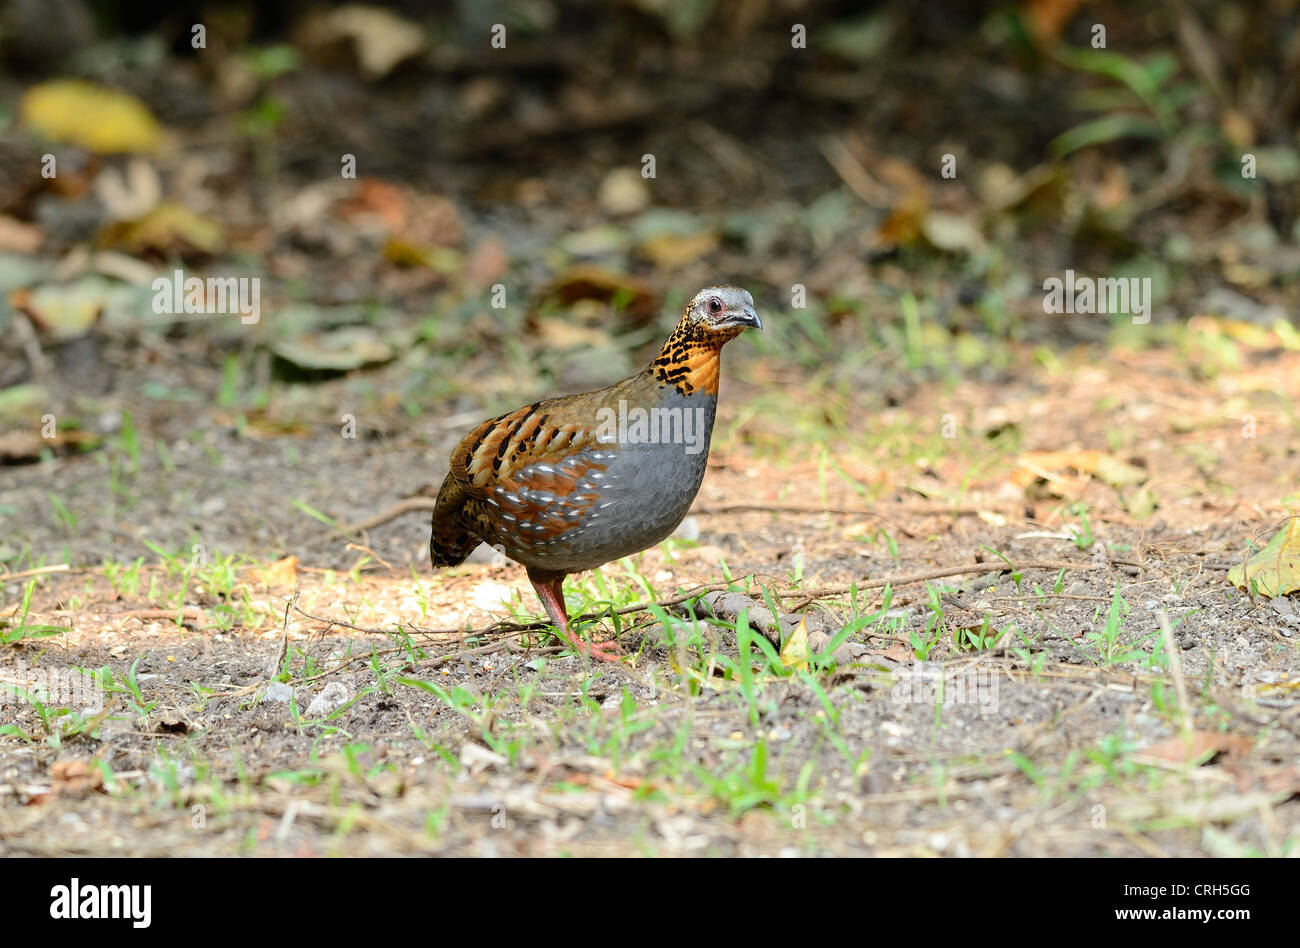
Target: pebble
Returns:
[[278, 691], [332, 696]]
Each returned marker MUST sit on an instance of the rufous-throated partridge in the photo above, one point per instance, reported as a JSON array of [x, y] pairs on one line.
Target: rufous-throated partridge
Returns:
[[568, 484]]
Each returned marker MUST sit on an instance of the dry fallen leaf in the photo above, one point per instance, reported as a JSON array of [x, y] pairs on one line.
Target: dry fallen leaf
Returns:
[[1051, 465], [898, 652], [75, 778], [794, 653], [26, 445], [623, 191], [638, 298], [1181, 749], [282, 574], [1275, 570], [96, 117], [1141, 502], [669, 251], [380, 39], [1048, 18], [63, 311], [170, 228], [18, 236]]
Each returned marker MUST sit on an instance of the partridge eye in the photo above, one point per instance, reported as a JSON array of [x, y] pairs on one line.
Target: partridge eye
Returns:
[[715, 305]]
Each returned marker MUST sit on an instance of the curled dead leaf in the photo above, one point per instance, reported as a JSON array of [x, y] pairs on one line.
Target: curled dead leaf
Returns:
[[1183, 749], [1275, 570]]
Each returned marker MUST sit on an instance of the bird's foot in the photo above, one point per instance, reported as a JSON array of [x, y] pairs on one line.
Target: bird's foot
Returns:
[[599, 651], [550, 591]]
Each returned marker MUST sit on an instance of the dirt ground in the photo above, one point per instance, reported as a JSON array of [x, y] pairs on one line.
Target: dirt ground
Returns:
[[1044, 742]]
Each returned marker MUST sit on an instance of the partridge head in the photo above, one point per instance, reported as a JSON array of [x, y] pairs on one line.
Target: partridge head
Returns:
[[568, 484]]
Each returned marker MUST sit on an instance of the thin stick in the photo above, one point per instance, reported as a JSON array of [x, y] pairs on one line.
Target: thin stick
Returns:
[[190, 613], [38, 571], [405, 506], [1176, 671], [274, 668], [909, 578]]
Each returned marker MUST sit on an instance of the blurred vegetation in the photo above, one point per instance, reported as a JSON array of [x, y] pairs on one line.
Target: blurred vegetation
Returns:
[[895, 180]]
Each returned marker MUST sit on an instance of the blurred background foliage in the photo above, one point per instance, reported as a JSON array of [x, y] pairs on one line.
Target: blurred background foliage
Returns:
[[798, 147]]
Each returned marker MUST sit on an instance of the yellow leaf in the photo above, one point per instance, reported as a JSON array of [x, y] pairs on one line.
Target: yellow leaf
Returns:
[[1141, 502], [169, 228], [406, 254], [1275, 570], [96, 117], [794, 653], [1048, 465], [669, 251]]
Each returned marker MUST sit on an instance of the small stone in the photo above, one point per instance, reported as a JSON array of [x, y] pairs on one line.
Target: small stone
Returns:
[[278, 691], [333, 696], [938, 841], [476, 758], [623, 192], [689, 530]]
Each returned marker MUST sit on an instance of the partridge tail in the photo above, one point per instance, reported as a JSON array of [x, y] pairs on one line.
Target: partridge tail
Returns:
[[450, 541]]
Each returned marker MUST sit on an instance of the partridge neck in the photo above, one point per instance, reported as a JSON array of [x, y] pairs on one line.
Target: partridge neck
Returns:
[[689, 360]]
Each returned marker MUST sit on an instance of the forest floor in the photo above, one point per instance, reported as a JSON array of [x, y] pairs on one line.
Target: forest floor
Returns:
[[1012, 693]]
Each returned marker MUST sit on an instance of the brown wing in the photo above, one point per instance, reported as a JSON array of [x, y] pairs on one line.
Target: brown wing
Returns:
[[521, 479], [501, 447]]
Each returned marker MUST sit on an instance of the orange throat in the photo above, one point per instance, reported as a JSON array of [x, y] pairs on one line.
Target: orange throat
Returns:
[[689, 359], [690, 367]]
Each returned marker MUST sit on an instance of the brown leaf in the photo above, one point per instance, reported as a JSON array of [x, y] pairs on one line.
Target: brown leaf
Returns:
[[282, 574], [19, 237], [640, 300], [378, 39], [25, 445], [898, 652], [1048, 18], [75, 778], [902, 228], [1181, 750], [670, 251], [169, 229], [1051, 465], [379, 201], [486, 263]]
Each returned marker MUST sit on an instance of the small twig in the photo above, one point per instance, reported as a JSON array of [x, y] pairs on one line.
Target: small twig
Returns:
[[274, 668], [408, 505], [191, 613], [1036, 598], [31, 343], [1176, 671], [38, 571], [909, 578], [852, 173], [371, 553]]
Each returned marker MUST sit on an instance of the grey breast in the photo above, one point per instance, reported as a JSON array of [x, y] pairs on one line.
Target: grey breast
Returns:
[[653, 473]]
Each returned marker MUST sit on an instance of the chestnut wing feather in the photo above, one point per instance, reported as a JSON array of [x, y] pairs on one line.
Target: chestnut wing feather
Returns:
[[501, 449], [524, 478]]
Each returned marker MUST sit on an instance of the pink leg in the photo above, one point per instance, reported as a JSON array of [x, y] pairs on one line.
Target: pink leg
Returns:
[[550, 590]]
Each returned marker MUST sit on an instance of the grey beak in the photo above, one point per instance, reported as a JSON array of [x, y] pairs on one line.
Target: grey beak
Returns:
[[751, 318]]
